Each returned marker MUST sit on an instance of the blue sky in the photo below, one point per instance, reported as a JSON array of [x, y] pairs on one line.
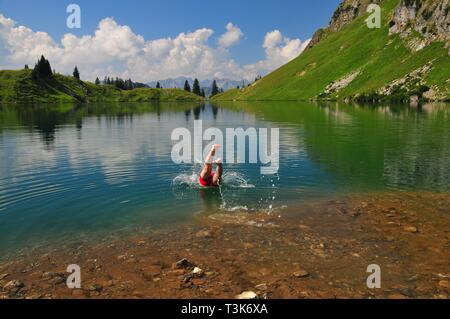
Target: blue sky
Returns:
[[295, 19]]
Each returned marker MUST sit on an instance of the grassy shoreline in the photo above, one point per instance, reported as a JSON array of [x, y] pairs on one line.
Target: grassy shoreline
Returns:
[[19, 87]]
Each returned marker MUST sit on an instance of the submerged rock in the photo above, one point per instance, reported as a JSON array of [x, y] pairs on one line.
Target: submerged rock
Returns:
[[204, 234], [177, 272], [247, 295], [14, 285], [444, 284], [188, 278], [406, 291], [183, 264], [249, 246], [151, 271], [198, 272], [301, 274], [95, 288], [411, 229], [54, 277], [3, 276], [261, 287]]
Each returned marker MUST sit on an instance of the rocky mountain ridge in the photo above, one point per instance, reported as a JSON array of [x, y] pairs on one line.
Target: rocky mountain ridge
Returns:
[[429, 19]]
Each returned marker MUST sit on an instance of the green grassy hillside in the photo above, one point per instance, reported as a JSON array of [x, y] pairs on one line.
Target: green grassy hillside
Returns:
[[369, 59], [21, 87]]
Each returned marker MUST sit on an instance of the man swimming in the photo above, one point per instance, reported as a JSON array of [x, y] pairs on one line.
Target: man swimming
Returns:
[[208, 178]]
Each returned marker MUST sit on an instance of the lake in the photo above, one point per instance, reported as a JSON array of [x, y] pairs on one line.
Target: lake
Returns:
[[89, 170]]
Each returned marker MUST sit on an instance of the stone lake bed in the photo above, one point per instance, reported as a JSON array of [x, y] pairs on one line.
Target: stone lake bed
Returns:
[[319, 249]]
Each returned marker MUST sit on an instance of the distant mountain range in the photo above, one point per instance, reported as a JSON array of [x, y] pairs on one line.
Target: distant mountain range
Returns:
[[178, 82]]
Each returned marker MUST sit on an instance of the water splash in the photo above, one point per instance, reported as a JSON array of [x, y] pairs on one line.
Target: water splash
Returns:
[[229, 180], [267, 202], [236, 193], [186, 181], [235, 180]]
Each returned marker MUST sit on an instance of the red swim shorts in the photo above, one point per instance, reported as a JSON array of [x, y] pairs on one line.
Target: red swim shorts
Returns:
[[207, 182]]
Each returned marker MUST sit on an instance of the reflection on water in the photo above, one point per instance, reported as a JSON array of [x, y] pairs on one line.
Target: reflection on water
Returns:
[[86, 169], [367, 148]]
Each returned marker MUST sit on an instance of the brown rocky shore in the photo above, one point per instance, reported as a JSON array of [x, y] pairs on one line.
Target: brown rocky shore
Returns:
[[319, 249]]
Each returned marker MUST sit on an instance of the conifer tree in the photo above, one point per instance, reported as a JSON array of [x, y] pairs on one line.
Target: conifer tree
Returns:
[[215, 88], [76, 73], [187, 87], [196, 88], [42, 68]]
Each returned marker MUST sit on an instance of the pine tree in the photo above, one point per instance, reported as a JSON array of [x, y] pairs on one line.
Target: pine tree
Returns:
[[196, 88], [119, 83], [128, 84], [215, 88], [158, 85], [76, 73], [47, 68], [26, 67], [203, 93], [97, 81], [187, 87], [42, 68]]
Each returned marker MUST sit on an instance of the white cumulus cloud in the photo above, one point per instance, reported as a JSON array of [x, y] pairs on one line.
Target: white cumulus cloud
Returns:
[[115, 50], [279, 50], [231, 37]]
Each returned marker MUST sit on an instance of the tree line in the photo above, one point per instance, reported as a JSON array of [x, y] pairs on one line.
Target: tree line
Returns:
[[121, 83], [200, 91], [195, 88], [42, 69]]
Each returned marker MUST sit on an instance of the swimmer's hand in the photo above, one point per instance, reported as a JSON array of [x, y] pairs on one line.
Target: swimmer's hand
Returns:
[[218, 161]]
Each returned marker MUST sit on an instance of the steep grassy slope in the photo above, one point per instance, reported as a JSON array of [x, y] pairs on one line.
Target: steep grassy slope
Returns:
[[360, 63], [20, 87]]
